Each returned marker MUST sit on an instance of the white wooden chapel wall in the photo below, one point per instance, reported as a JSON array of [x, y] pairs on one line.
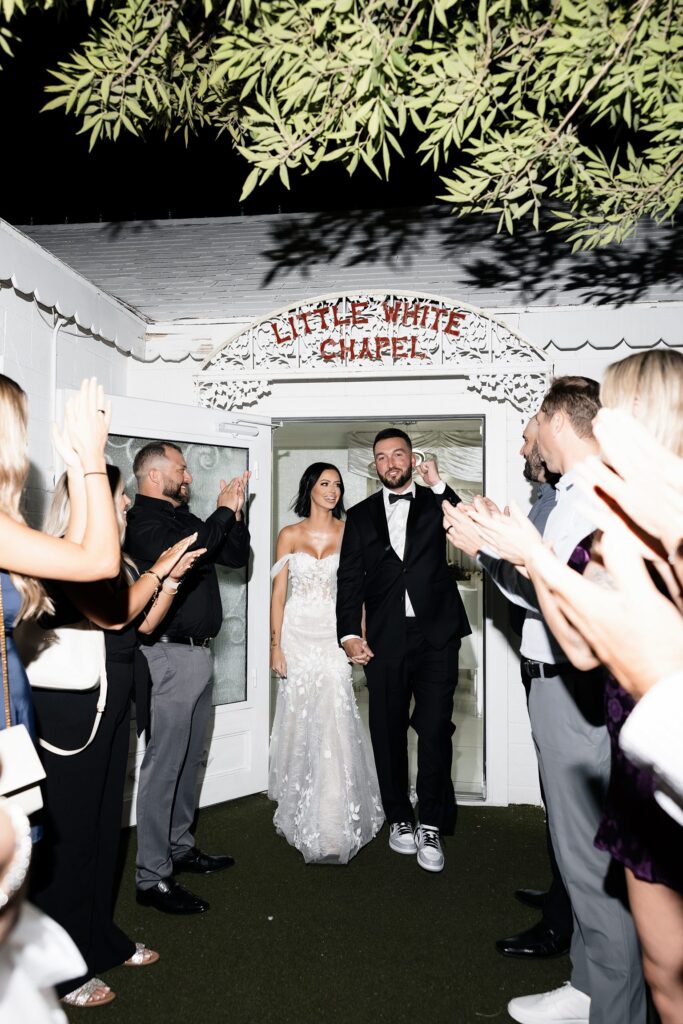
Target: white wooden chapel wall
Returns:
[[27, 336], [56, 327]]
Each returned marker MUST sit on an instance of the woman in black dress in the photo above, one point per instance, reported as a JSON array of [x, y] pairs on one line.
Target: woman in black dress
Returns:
[[74, 879]]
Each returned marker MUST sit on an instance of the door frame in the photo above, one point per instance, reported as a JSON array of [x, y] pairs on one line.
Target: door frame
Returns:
[[496, 648]]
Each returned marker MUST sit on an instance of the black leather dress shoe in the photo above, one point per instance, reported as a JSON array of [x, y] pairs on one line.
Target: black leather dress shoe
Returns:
[[203, 863], [171, 898], [531, 897], [539, 941]]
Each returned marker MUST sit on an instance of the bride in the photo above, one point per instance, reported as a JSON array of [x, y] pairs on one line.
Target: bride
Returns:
[[322, 772]]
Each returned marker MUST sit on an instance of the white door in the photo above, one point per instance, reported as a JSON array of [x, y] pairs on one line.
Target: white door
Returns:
[[217, 446]]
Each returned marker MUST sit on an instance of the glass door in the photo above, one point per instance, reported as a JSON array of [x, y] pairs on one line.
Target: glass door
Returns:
[[219, 445]]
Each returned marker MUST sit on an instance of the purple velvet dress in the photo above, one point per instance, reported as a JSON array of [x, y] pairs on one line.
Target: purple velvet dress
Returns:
[[634, 828]]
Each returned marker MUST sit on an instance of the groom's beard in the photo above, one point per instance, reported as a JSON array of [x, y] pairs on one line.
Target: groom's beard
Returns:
[[394, 482]]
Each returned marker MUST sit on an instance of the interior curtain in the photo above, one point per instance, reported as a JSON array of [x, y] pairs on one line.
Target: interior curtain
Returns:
[[458, 453]]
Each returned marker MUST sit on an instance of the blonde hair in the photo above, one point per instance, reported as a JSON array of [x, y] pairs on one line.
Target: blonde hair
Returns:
[[649, 385], [59, 513], [14, 466]]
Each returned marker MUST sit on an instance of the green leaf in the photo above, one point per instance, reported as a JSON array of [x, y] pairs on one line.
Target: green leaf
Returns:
[[250, 184], [60, 101]]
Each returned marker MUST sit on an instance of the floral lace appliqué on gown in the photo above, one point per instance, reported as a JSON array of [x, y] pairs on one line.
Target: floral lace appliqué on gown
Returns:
[[322, 772]]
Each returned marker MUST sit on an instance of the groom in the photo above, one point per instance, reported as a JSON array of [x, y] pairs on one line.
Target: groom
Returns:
[[393, 565]]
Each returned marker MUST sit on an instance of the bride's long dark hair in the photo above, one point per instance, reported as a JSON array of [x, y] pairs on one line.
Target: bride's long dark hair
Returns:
[[311, 475]]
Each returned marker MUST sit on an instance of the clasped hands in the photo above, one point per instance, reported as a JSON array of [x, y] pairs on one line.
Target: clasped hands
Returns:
[[358, 651]]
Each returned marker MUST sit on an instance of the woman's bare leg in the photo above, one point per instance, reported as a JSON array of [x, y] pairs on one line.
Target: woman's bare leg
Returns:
[[658, 913]]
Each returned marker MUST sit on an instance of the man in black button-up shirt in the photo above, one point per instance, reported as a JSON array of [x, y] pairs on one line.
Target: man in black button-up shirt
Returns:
[[181, 668]]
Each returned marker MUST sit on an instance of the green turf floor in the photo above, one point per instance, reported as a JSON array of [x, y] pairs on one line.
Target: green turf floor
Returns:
[[376, 941]]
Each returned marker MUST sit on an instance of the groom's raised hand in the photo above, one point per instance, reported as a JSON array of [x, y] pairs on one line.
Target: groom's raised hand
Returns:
[[357, 650], [429, 472]]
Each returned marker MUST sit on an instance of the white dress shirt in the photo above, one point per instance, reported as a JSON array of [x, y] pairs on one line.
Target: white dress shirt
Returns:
[[566, 527], [652, 737], [397, 513]]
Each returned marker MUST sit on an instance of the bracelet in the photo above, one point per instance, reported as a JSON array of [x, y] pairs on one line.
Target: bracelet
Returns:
[[15, 875], [96, 472], [157, 577], [274, 645]]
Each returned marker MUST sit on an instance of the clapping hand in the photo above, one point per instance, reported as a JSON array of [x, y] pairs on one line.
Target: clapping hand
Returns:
[[177, 560], [480, 500], [512, 536], [461, 530], [66, 450], [631, 628], [87, 416], [640, 476], [233, 495], [184, 564]]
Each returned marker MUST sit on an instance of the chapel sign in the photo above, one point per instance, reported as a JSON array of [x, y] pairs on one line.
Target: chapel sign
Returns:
[[388, 335]]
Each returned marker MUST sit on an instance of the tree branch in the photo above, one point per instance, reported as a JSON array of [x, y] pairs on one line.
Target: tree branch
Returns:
[[153, 43]]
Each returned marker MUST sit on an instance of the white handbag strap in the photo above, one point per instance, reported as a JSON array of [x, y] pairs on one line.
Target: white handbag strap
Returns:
[[101, 704]]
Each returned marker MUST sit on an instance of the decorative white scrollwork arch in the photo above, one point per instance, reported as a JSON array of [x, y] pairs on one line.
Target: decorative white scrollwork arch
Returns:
[[386, 335]]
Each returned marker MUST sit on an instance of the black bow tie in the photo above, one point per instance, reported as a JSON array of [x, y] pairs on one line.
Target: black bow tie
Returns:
[[393, 498]]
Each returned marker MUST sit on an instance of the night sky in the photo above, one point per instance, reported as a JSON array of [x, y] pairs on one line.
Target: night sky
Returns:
[[49, 176]]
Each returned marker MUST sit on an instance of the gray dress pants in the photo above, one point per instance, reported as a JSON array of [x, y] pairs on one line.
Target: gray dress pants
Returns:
[[167, 790], [573, 750]]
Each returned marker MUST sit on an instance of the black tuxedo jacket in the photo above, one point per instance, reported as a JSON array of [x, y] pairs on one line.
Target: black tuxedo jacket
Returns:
[[371, 574]]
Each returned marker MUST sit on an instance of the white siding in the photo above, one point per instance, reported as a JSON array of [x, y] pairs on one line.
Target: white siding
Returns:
[[26, 339]]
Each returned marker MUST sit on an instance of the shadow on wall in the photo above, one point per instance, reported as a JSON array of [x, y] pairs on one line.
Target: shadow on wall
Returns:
[[531, 265]]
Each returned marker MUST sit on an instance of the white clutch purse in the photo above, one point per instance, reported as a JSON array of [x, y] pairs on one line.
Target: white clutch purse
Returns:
[[68, 658], [20, 767]]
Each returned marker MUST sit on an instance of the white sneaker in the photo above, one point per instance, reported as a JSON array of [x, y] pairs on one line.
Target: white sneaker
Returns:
[[429, 852], [401, 838], [564, 1005]]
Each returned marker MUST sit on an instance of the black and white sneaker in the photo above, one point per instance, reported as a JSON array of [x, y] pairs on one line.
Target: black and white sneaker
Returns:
[[429, 852], [401, 838]]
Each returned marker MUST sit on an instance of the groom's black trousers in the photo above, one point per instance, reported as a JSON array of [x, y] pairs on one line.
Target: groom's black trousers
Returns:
[[430, 676]]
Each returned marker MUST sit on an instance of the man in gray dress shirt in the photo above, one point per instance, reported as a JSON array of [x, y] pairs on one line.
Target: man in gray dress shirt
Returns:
[[551, 935]]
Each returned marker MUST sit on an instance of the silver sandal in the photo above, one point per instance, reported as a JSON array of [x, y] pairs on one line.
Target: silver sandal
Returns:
[[142, 957], [83, 995]]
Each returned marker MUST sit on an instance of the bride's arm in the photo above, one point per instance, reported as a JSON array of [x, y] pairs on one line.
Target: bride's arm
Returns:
[[277, 603]]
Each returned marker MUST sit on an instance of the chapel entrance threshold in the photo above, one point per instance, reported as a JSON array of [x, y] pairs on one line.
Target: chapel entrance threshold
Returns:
[[459, 444]]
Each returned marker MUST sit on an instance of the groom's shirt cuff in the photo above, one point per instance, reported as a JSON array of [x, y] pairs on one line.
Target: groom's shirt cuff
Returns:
[[438, 488], [349, 636]]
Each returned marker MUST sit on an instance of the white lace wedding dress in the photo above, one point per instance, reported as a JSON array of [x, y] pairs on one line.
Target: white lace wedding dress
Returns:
[[322, 772]]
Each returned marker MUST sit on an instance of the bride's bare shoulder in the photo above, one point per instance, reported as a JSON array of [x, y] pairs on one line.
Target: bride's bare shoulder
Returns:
[[290, 535]]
